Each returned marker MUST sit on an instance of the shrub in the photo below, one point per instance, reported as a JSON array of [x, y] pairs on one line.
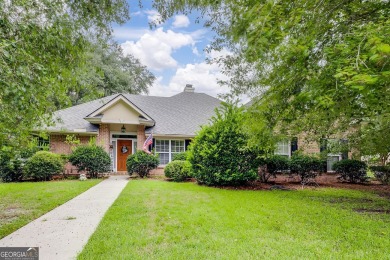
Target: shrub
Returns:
[[382, 173], [180, 156], [218, 153], [91, 158], [142, 163], [306, 167], [43, 165], [178, 170], [274, 164], [353, 171], [11, 169]]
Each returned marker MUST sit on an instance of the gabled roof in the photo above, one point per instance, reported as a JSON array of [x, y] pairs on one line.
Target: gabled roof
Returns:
[[96, 116], [180, 115]]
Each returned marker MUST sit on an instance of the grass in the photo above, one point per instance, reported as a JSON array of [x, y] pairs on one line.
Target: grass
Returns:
[[20, 203], [163, 220]]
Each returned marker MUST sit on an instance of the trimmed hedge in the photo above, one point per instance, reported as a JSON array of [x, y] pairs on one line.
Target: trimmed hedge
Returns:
[[274, 164], [91, 158], [180, 156], [306, 167], [178, 170], [218, 153], [353, 171], [43, 165], [382, 173], [141, 163]]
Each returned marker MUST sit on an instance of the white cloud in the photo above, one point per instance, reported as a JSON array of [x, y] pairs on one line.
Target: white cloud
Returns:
[[138, 13], [180, 21], [154, 48], [203, 76], [195, 50], [153, 16]]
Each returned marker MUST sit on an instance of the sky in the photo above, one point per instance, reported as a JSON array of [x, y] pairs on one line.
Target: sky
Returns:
[[173, 51]]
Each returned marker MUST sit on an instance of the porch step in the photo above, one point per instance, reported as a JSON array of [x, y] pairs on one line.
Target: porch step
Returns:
[[118, 173]]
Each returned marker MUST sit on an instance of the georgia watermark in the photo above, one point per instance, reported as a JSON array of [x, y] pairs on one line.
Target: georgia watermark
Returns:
[[19, 253]]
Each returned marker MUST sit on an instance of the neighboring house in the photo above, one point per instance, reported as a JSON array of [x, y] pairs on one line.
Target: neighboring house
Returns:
[[287, 147], [122, 122]]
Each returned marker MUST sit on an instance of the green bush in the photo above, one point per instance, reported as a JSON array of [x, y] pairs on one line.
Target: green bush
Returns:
[[43, 165], [11, 169], [274, 164], [353, 171], [92, 159], [306, 167], [141, 163], [382, 173], [219, 153], [178, 170], [180, 156]]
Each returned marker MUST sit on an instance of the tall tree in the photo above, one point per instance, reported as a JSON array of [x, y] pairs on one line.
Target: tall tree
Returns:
[[316, 66], [109, 71], [42, 44]]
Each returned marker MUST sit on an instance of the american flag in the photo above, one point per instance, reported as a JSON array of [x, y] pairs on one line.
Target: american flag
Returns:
[[148, 141]]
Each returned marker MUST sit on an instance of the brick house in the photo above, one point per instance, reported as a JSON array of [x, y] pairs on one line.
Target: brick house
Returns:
[[120, 123]]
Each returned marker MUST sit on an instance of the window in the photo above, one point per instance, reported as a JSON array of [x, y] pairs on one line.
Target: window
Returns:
[[124, 136], [283, 148], [167, 148], [113, 158], [162, 148], [336, 149], [177, 146], [43, 143], [332, 159]]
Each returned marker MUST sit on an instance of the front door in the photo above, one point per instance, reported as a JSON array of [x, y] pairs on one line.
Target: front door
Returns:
[[124, 149]]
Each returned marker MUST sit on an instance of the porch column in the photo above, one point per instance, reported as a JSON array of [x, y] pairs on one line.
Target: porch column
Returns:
[[103, 138], [140, 136]]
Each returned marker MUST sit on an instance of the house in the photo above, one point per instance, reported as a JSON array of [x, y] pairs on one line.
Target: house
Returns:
[[120, 123]]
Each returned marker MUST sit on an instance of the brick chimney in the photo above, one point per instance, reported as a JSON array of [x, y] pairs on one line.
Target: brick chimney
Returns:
[[189, 88]]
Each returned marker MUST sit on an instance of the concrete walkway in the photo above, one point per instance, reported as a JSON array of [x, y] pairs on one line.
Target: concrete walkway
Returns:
[[63, 232]]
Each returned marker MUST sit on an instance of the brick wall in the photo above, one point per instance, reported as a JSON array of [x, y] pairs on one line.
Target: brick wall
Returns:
[[306, 146], [140, 136], [103, 138], [58, 145]]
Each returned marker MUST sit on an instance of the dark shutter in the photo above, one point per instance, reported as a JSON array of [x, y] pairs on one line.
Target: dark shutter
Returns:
[[323, 144], [187, 143], [294, 145], [344, 154]]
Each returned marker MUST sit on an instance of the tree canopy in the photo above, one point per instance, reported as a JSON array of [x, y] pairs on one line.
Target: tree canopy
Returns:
[[51, 49], [315, 66], [108, 72]]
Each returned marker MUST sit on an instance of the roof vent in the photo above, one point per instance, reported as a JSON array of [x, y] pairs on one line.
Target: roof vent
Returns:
[[189, 88]]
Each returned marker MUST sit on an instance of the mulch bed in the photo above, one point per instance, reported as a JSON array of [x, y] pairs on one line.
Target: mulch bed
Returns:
[[285, 182]]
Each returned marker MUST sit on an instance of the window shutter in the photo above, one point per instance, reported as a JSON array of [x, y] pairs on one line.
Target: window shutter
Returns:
[[344, 154], [294, 145], [187, 143], [323, 144]]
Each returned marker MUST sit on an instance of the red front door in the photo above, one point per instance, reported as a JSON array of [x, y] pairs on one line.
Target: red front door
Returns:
[[124, 149]]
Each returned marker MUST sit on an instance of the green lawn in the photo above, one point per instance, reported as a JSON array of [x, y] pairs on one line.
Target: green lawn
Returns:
[[20, 203], [162, 220]]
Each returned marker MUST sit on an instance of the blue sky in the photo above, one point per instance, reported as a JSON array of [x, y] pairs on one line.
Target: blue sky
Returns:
[[173, 51]]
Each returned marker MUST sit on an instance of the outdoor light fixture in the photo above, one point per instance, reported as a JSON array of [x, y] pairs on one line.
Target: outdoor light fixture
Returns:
[[123, 129]]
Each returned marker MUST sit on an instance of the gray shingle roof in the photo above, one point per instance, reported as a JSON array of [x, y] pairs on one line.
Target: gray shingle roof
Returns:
[[182, 114]]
